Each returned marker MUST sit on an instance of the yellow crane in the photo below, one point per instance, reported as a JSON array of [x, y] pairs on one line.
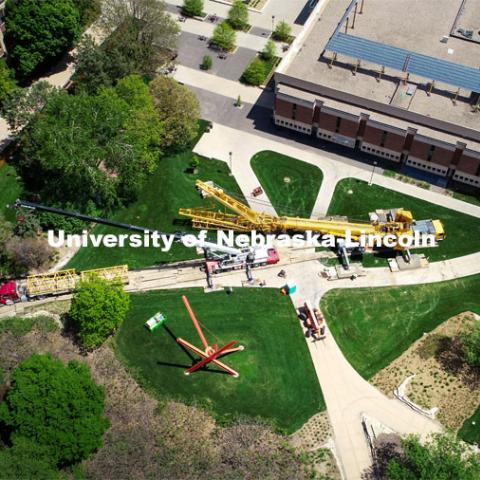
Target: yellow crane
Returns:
[[244, 219]]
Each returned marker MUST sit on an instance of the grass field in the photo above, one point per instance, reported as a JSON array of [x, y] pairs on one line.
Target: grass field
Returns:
[[463, 231], [10, 190], [169, 188], [470, 431], [295, 197], [277, 379], [373, 326], [474, 199]]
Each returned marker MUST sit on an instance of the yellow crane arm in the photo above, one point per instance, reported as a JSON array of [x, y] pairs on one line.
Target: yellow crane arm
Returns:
[[246, 219]]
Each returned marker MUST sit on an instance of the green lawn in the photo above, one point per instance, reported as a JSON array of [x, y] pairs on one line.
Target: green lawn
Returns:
[[277, 379], [10, 190], [373, 326], [169, 188], [470, 431], [474, 199], [463, 231], [296, 197]]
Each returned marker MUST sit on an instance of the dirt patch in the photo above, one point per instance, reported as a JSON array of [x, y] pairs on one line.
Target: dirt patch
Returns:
[[312, 437], [441, 379], [314, 433]]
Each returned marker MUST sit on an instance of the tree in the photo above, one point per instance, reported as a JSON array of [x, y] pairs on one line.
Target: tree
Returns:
[[192, 8], [26, 254], [142, 37], [6, 233], [224, 37], [27, 460], [178, 109], [238, 15], [255, 73], [93, 68], [89, 10], [269, 51], [21, 104], [55, 406], [443, 457], [39, 33], [471, 345], [98, 309], [282, 32], [207, 63], [7, 80], [95, 148]]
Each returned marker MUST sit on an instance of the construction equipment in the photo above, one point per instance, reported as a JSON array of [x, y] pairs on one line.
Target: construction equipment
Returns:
[[211, 353], [218, 258], [55, 283], [396, 222]]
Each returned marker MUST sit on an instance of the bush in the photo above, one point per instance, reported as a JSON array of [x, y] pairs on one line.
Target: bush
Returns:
[[192, 8], [471, 345], [207, 62], [238, 15], [282, 31], [224, 37], [55, 406], [255, 73], [441, 458], [98, 309]]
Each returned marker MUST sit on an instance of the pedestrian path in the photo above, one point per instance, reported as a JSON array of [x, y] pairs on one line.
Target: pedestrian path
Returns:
[[244, 145]]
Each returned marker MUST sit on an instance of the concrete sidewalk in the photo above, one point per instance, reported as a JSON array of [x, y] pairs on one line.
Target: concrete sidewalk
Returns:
[[245, 145], [226, 88]]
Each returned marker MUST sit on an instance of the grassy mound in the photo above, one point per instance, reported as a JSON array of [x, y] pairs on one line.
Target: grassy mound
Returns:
[[297, 195]]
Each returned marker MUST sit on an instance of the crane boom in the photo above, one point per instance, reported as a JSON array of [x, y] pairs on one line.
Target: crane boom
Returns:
[[397, 222]]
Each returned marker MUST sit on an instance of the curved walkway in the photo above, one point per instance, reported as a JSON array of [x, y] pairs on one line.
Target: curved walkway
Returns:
[[221, 140]]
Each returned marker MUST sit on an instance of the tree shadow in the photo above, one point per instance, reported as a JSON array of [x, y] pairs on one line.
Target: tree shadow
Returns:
[[450, 354]]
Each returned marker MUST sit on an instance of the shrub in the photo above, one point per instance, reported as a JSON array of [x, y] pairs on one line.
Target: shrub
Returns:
[[98, 309], [207, 62], [471, 345], [282, 31], [192, 8], [55, 406], [255, 73]]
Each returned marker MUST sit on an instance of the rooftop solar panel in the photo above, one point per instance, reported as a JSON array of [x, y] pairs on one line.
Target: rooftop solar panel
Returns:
[[404, 60]]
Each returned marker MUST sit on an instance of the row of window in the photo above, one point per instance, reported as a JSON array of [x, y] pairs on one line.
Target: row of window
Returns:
[[380, 153], [440, 171], [293, 125], [466, 179]]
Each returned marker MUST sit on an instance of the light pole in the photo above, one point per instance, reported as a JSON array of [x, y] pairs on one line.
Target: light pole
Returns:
[[371, 176], [273, 23], [230, 161]]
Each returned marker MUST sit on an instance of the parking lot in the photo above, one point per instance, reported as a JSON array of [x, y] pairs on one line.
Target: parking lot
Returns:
[[191, 50]]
